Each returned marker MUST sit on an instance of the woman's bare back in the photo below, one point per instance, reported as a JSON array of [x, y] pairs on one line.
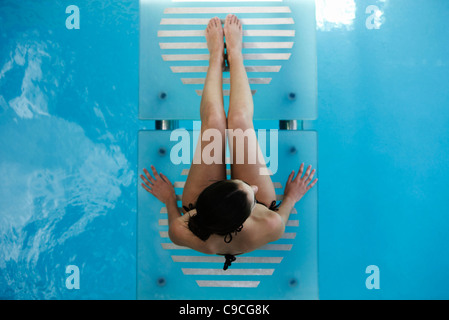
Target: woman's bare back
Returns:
[[262, 226]]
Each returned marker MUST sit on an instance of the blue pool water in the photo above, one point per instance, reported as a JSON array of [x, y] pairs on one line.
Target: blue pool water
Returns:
[[69, 123]]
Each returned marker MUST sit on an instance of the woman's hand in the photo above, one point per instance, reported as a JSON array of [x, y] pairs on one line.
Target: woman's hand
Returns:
[[159, 186], [296, 188]]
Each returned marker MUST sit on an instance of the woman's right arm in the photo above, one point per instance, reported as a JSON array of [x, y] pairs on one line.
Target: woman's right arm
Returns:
[[160, 187], [295, 189]]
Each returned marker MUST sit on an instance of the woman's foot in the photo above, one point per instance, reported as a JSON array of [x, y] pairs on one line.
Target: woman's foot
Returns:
[[214, 38], [234, 35]]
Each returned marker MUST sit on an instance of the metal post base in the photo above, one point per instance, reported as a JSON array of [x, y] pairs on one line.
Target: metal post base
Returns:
[[166, 125], [289, 125]]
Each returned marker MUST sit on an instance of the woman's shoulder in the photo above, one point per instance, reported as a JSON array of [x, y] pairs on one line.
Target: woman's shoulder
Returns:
[[266, 226], [264, 214], [181, 235]]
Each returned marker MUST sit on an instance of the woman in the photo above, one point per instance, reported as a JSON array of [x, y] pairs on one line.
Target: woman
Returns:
[[223, 216]]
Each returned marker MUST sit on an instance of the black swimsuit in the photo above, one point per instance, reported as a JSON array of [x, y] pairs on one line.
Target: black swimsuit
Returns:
[[230, 258], [273, 206]]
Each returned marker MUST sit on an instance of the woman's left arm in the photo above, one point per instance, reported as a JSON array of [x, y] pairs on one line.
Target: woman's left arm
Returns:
[[295, 189]]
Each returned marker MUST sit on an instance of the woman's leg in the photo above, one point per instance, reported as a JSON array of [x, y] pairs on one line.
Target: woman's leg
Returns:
[[247, 159], [213, 118]]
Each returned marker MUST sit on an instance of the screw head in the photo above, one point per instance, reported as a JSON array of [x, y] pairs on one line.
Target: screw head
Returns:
[[292, 96], [293, 150], [293, 282], [162, 151], [162, 95], [161, 282]]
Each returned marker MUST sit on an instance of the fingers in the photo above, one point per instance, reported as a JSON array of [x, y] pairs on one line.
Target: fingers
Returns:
[[146, 185], [290, 177], [149, 180], [164, 177], [306, 175], [146, 188], [149, 176], [300, 171], [153, 169], [145, 180], [312, 184], [310, 177]]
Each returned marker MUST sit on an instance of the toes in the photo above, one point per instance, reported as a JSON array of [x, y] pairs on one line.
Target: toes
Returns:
[[232, 19], [214, 22], [229, 18], [238, 21]]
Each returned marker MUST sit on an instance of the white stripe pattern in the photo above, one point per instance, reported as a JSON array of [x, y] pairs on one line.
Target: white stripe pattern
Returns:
[[246, 45], [226, 10], [213, 1], [227, 284], [276, 20], [200, 69], [247, 22], [246, 33], [205, 57]]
